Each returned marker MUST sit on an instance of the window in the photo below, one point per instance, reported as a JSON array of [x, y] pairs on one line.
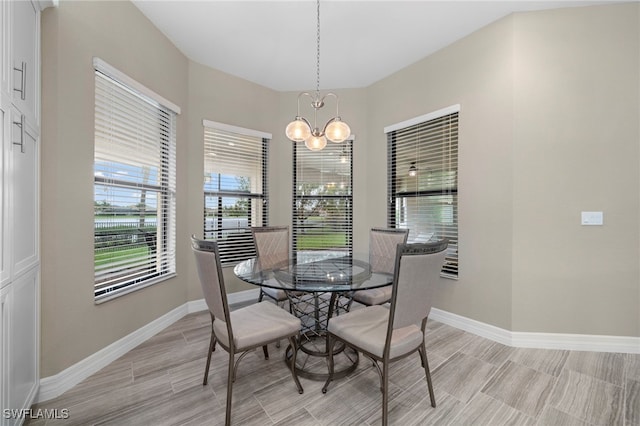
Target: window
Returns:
[[322, 198], [235, 188], [134, 185], [423, 180]]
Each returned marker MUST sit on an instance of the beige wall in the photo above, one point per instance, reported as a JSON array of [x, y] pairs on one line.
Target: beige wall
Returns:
[[548, 127], [576, 148], [73, 327]]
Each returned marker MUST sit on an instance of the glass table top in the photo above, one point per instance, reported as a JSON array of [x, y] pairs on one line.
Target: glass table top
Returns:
[[314, 271]]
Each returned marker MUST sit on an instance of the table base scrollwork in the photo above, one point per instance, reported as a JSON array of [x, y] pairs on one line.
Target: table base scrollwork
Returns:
[[314, 310]]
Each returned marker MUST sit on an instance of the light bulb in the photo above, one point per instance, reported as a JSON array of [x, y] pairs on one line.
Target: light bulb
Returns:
[[298, 130], [316, 143], [337, 131]]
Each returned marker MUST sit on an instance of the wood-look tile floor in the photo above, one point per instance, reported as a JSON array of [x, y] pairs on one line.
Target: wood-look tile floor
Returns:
[[476, 381]]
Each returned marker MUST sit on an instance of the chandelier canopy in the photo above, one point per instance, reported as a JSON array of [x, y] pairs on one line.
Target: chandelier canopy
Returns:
[[300, 129]]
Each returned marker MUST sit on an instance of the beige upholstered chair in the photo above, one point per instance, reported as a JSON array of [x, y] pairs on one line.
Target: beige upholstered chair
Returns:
[[382, 256], [386, 335], [244, 329], [272, 247]]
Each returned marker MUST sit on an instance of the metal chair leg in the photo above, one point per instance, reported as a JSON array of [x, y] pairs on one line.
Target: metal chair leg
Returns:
[[385, 393], [230, 379], [266, 352], [425, 364], [212, 347], [422, 356]]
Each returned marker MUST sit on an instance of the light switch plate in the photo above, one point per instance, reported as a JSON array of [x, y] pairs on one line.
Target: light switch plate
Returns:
[[592, 218]]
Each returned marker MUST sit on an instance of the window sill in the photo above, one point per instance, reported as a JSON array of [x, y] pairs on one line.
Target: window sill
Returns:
[[130, 289]]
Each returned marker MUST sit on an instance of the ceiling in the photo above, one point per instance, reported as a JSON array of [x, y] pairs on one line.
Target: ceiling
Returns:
[[273, 43]]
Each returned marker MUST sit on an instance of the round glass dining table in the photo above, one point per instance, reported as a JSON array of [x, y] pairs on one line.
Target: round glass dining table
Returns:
[[318, 284]]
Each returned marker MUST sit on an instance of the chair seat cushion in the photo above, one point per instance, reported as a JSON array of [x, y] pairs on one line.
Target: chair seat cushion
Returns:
[[275, 293], [366, 329], [257, 324], [374, 296]]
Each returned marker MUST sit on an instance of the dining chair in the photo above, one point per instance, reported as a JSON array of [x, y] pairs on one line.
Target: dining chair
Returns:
[[241, 330], [272, 247], [386, 335], [382, 253]]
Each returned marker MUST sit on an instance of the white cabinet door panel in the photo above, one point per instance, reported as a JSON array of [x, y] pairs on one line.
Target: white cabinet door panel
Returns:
[[5, 243], [4, 47], [24, 196], [4, 350], [24, 58], [22, 309]]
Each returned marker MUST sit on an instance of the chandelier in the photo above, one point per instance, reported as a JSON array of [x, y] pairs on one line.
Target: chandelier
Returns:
[[300, 129]]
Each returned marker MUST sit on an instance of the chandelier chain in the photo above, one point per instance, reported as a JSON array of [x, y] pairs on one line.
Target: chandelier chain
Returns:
[[318, 50]]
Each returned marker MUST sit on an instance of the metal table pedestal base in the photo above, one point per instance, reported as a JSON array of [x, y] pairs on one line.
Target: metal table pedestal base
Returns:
[[313, 363]]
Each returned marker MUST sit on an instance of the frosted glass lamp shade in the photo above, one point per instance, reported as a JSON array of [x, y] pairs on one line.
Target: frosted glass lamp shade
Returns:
[[298, 130], [316, 143], [337, 131]]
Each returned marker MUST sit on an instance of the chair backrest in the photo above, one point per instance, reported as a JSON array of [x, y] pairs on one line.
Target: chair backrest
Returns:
[[418, 269], [211, 279], [272, 244], [383, 243]]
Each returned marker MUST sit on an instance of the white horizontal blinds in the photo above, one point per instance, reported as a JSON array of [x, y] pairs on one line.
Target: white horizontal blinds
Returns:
[[323, 198], [134, 188], [235, 196], [423, 182]]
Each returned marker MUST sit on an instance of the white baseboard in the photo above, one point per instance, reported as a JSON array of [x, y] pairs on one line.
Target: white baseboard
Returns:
[[54, 386], [481, 329], [518, 339], [577, 342]]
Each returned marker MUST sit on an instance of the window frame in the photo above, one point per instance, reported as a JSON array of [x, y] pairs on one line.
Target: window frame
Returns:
[[159, 262], [444, 191]]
